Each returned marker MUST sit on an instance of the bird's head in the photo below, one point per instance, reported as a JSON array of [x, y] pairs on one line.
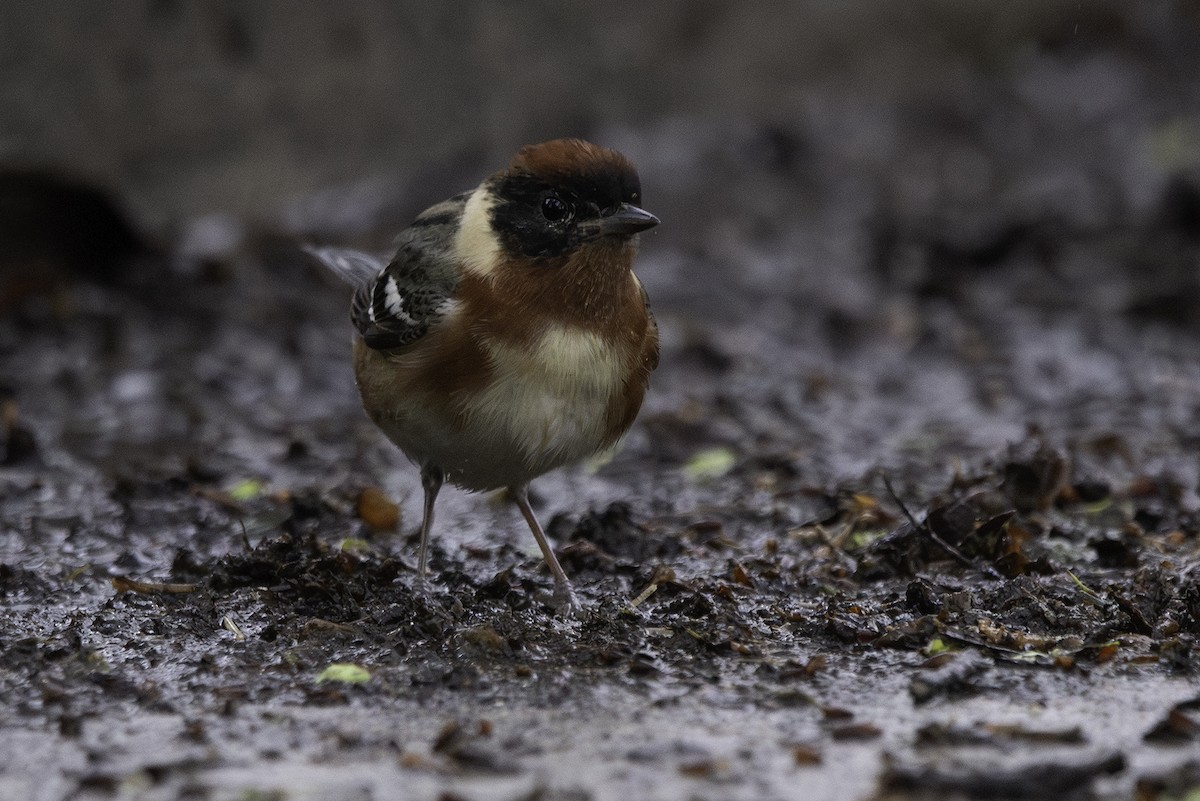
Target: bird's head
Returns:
[[555, 199]]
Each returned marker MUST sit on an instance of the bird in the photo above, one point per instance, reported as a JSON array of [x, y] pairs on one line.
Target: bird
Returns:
[[508, 336]]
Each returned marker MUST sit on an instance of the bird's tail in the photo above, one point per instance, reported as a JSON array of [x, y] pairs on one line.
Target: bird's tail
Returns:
[[352, 266]]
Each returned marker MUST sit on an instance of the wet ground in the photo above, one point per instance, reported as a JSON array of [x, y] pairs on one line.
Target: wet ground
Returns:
[[911, 511]]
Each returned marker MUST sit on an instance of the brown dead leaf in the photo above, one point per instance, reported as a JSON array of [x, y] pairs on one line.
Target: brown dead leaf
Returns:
[[377, 510]]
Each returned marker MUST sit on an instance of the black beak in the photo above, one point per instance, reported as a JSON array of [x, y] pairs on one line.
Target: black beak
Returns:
[[627, 220]]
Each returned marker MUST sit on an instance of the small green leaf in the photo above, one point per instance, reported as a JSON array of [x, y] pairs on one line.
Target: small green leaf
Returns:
[[354, 545], [710, 463], [344, 673], [937, 646], [247, 490], [861, 539]]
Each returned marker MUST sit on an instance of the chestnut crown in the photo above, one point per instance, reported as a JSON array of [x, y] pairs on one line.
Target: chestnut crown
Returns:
[[558, 196]]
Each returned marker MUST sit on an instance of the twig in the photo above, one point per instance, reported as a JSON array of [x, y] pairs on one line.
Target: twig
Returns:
[[125, 584], [651, 588], [947, 547]]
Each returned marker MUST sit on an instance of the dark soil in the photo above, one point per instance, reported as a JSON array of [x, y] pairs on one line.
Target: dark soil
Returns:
[[911, 512]]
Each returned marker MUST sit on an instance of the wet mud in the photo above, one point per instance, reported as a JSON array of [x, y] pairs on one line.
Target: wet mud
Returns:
[[911, 511]]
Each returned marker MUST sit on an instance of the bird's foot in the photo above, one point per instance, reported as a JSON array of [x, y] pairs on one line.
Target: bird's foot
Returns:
[[422, 591], [565, 602]]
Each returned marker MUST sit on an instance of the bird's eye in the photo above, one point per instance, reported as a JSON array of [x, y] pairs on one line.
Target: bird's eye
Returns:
[[553, 208]]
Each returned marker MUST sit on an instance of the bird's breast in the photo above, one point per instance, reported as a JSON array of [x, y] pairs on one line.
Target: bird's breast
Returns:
[[550, 398], [507, 387]]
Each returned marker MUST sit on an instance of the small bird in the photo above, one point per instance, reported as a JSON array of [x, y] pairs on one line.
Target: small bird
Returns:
[[509, 336]]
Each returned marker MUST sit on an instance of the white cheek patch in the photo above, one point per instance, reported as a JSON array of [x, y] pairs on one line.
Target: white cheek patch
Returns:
[[475, 242]]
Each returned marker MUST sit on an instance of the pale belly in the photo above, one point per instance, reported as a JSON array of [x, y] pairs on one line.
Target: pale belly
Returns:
[[546, 407]]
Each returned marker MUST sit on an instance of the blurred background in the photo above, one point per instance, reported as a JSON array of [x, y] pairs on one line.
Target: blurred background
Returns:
[[187, 109]]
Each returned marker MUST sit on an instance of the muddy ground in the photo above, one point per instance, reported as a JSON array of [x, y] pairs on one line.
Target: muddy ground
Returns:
[[911, 511]]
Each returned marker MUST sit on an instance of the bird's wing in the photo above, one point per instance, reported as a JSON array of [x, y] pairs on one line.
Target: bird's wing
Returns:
[[396, 305], [650, 346]]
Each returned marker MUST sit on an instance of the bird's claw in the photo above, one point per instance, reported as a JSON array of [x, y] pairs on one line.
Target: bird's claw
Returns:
[[565, 602]]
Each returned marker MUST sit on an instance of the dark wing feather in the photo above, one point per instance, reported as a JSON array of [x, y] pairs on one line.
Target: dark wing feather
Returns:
[[411, 294]]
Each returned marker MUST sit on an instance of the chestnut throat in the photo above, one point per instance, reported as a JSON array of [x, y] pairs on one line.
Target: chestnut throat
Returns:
[[592, 288]]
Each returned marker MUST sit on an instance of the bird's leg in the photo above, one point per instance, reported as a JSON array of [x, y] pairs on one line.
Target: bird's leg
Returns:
[[564, 595], [431, 482]]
